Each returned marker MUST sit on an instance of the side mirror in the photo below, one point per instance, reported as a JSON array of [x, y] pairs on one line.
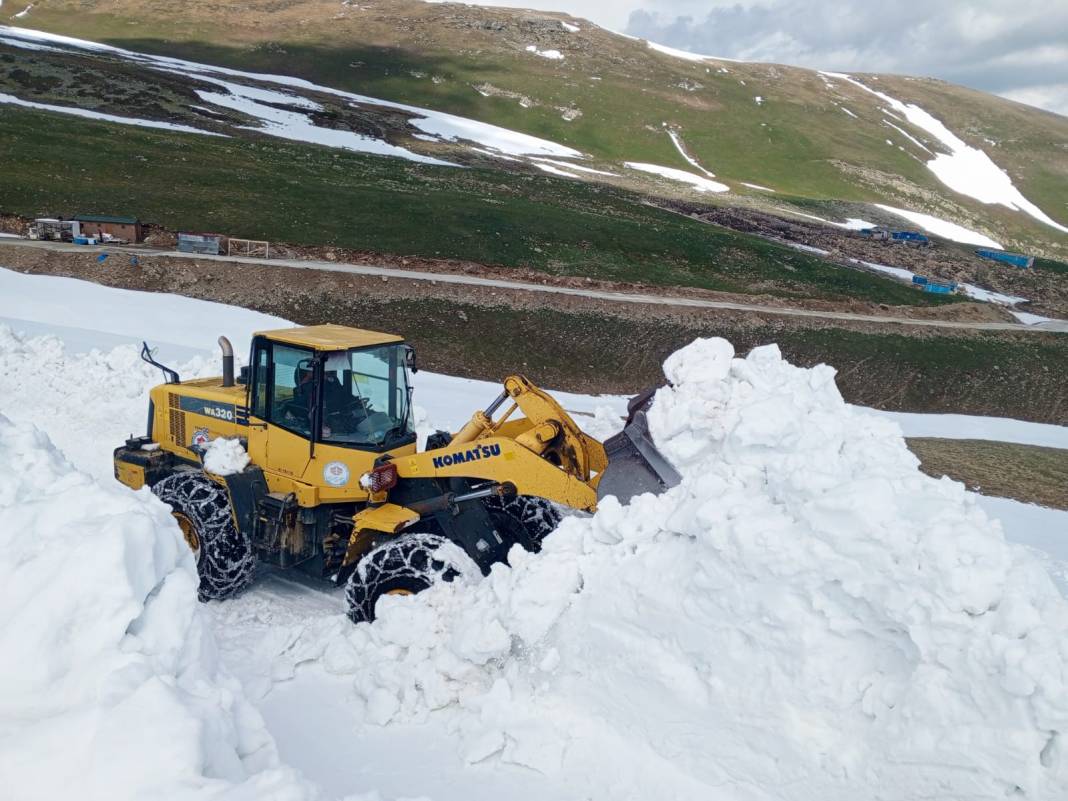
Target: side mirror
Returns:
[[409, 359], [242, 377]]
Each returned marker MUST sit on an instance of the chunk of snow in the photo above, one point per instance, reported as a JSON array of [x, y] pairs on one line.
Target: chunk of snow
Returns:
[[698, 182], [758, 100], [25, 12], [850, 113], [964, 169], [889, 143], [224, 457], [943, 228], [549, 168], [74, 111], [567, 26], [550, 54], [757, 186]]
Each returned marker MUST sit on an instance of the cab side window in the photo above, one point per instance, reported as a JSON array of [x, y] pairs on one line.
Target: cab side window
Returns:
[[260, 381], [292, 390]]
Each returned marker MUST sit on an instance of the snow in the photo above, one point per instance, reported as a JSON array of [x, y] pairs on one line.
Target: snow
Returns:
[[549, 168], [554, 55], [225, 457], [112, 682], [850, 113], [908, 136], [74, 111], [963, 426], [442, 126], [964, 169], [297, 126], [943, 228], [685, 55], [700, 183], [758, 100], [851, 223], [567, 26], [4, 235], [1030, 319], [806, 616], [25, 12], [677, 141], [574, 167], [758, 187]]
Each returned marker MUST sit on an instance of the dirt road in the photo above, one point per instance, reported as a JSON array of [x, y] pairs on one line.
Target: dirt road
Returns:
[[642, 298]]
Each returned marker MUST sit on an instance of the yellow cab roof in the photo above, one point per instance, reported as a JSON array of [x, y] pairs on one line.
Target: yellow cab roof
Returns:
[[329, 337]]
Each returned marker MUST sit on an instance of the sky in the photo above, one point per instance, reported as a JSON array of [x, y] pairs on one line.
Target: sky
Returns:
[[1014, 48]]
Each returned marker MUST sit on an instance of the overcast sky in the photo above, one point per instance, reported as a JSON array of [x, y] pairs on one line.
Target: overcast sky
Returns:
[[1015, 48]]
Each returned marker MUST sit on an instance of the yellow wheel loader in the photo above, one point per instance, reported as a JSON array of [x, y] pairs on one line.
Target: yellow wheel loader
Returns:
[[336, 487]]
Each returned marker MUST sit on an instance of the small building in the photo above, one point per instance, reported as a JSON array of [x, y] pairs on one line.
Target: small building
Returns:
[[106, 227], [54, 229], [1015, 259], [209, 244], [877, 233]]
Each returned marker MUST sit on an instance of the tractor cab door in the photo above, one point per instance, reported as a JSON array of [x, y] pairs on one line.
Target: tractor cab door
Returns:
[[282, 405]]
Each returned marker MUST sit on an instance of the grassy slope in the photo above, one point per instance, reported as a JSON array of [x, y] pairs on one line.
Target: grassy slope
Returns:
[[795, 142], [1024, 472], [309, 195]]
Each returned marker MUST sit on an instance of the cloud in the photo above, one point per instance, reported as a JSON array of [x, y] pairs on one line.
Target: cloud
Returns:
[[1017, 49]]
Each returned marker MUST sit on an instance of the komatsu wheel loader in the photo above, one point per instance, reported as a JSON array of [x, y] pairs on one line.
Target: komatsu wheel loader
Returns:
[[336, 487]]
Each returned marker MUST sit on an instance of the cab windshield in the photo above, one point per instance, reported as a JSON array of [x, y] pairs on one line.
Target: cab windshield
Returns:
[[366, 396]]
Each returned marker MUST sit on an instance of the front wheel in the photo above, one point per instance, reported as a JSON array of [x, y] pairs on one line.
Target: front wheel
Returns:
[[201, 507], [406, 565], [531, 519]]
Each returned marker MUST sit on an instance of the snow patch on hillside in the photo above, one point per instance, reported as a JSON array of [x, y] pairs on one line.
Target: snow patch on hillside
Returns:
[[964, 168], [943, 228], [552, 55], [698, 182]]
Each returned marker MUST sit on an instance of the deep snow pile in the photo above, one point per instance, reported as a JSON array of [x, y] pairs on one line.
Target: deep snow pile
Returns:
[[806, 617], [111, 684]]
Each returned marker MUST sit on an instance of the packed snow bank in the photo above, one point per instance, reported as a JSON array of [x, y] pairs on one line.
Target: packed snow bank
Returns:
[[943, 228], [806, 616], [112, 688]]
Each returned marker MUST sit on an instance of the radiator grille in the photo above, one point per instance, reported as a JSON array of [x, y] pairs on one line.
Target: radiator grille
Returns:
[[177, 418]]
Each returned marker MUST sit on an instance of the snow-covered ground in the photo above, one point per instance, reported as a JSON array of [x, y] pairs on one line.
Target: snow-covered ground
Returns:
[[806, 616]]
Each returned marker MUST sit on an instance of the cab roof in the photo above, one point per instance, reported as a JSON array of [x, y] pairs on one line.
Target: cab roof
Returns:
[[329, 337]]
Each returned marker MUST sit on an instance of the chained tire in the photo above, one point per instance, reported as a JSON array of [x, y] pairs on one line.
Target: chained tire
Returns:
[[225, 562], [530, 518], [406, 565]]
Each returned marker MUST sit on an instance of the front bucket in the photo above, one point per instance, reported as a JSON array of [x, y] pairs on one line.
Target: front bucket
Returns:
[[635, 465]]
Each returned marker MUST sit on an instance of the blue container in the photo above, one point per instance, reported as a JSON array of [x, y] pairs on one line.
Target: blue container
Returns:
[[1015, 259], [908, 236], [81, 240], [940, 289], [919, 279]]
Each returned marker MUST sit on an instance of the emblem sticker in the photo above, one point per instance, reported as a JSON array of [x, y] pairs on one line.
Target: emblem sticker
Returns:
[[201, 438], [336, 474]]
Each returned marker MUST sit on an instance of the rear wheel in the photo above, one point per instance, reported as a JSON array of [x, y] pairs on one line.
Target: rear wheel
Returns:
[[406, 565], [531, 519], [201, 507]]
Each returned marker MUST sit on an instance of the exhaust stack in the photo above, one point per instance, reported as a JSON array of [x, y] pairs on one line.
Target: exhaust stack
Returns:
[[227, 362]]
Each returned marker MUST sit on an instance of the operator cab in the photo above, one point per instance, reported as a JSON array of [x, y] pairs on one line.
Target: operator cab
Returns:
[[333, 384]]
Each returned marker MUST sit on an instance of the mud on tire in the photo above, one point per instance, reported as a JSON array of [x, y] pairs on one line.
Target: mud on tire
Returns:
[[225, 561], [532, 519], [410, 563]]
